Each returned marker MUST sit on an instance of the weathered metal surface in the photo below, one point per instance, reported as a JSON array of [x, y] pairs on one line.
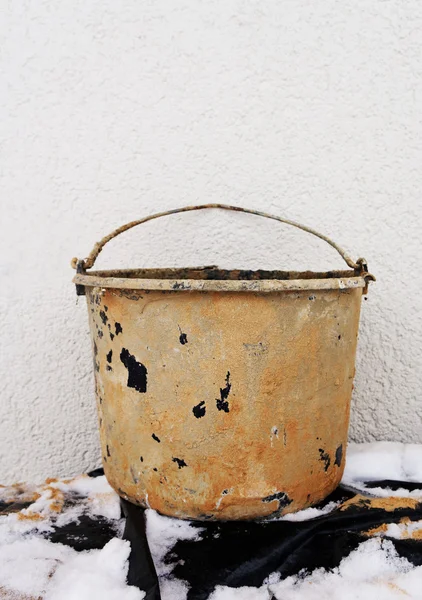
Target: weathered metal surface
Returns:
[[213, 279], [224, 406], [89, 262]]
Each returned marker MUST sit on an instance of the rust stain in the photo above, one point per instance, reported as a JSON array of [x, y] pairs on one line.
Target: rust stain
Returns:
[[388, 504], [376, 530], [415, 535], [56, 499], [29, 516]]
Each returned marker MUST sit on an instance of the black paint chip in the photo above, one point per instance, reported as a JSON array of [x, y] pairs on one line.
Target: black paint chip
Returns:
[[282, 499], [199, 410], [222, 403], [280, 496], [325, 458], [180, 462], [109, 356], [183, 338], [137, 372], [157, 439], [103, 317], [118, 328]]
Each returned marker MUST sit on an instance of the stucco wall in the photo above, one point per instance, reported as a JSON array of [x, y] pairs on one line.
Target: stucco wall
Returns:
[[113, 110]]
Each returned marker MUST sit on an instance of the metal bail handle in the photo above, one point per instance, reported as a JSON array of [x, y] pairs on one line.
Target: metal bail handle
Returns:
[[87, 263]]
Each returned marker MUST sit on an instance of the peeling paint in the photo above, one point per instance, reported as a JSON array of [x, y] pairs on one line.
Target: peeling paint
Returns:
[[222, 402], [137, 372]]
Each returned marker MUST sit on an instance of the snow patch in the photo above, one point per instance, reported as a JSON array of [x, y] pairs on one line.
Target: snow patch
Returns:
[[39, 568], [242, 593], [383, 460], [95, 574], [310, 513]]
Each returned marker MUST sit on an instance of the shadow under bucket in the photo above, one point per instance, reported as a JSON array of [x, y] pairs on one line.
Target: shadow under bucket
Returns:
[[223, 394]]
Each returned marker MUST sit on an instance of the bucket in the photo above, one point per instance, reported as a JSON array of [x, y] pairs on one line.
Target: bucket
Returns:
[[223, 394]]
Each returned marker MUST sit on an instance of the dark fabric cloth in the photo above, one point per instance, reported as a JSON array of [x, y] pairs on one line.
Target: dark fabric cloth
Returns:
[[245, 553]]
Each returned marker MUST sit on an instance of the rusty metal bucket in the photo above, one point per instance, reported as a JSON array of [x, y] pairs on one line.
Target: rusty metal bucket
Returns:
[[223, 394]]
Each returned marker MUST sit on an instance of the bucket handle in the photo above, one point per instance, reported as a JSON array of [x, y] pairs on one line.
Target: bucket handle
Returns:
[[87, 263]]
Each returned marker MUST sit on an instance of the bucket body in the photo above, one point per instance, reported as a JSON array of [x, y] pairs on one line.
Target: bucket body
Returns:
[[224, 402]]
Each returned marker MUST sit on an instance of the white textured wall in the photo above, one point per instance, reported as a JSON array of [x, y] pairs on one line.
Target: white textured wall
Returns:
[[113, 110]]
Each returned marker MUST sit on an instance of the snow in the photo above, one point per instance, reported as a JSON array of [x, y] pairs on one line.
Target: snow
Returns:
[[309, 513], [39, 568], [36, 567], [97, 574], [242, 593], [386, 492], [383, 460], [26, 564], [173, 589]]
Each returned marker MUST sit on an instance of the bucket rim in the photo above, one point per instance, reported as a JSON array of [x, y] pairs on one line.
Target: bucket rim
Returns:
[[213, 279]]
